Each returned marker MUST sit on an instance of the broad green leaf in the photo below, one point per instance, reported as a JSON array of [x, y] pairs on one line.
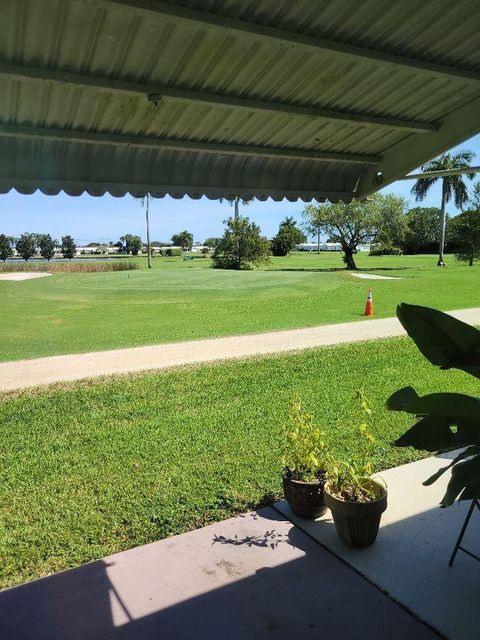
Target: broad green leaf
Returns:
[[462, 474], [442, 339], [469, 451], [430, 434]]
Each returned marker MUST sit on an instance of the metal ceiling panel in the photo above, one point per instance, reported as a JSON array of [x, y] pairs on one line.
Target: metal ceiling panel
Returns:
[[205, 97]]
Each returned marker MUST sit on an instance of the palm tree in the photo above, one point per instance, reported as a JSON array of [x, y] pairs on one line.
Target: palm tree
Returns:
[[452, 185], [145, 202], [236, 204]]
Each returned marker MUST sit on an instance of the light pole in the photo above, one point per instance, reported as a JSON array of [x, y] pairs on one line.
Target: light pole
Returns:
[[147, 219]]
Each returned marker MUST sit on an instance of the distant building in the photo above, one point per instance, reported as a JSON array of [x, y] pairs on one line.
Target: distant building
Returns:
[[327, 246], [324, 246], [95, 250]]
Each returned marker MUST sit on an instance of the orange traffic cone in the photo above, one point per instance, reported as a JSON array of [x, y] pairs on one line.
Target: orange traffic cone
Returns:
[[369, 305]]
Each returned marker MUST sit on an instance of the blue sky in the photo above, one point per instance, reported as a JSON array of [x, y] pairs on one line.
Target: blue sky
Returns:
[[90, 219]]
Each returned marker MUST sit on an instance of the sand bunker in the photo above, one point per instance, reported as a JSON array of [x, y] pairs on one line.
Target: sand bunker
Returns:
[[373, 276], [24, 275]]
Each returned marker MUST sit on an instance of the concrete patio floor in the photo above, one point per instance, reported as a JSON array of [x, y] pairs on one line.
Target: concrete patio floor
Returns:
[[409, 560], [251, 577]]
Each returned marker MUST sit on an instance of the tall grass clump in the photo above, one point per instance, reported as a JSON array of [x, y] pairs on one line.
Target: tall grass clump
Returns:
[[83, 266]]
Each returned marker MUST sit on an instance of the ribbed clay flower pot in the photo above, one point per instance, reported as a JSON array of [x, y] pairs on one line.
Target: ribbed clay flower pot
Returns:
[[305, 499], [357, 523]]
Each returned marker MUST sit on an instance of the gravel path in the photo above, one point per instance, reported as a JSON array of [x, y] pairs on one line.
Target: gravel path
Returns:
[[21, 374]]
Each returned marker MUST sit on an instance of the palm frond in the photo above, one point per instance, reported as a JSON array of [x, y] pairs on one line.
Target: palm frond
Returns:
[[422, 186], [460, 192], [437, 164], [463, 158]]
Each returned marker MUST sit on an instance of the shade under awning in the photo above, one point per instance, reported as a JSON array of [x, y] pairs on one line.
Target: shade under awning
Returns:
[[219, 98]]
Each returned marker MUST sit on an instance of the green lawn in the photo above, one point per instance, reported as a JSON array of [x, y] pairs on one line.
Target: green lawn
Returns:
[[177, 300], [93, 468]]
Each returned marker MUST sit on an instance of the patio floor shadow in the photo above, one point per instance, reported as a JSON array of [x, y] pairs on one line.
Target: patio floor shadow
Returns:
[[251, 577]]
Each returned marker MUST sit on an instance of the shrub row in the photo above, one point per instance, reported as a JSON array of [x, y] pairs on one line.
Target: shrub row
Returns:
[[83, 266]]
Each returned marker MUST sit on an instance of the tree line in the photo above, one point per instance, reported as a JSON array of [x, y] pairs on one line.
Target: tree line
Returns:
[[132, 244], [28, 245], [383, 221]]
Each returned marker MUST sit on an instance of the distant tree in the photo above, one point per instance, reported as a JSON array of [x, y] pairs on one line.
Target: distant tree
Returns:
[[464, 229], [68, 247], [6, 249], [392, 226], [241, 246], [235, 202], [465, 234], [25, 246], [287, 237], [47, 246], [422, 230], [452, 185], [474, 199], [131, 244], [134, 245], [211, 242], [354, 223], [312, 222], [183, 239], [36, 237]]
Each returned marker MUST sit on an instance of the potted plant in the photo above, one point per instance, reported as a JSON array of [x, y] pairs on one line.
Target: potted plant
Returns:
[[304, 462], [355, 499]]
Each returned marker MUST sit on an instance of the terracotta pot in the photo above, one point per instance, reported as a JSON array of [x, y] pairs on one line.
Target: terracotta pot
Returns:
[[305, 499], [357, 523]]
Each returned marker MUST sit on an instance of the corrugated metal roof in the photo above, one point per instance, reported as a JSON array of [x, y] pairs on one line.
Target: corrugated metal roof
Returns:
[[153, 44]]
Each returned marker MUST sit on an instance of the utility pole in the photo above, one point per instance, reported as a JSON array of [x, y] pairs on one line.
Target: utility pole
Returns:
[[236, 207], [147, 218]]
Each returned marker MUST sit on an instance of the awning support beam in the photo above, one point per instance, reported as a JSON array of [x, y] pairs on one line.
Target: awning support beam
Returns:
[[441, 174], [415, 151], [290, 39], [98, 138], [158, 92]]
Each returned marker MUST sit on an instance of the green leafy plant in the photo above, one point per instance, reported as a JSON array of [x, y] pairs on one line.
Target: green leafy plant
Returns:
[[241, 246], [351, 481], [445, 420], [305, 455]]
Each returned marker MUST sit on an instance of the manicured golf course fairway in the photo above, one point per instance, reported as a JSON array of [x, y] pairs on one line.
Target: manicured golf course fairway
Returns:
[[177, 300]]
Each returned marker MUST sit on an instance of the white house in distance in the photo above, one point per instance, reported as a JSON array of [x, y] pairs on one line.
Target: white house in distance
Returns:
[[95, 249], [327, 246], [324, 246]]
